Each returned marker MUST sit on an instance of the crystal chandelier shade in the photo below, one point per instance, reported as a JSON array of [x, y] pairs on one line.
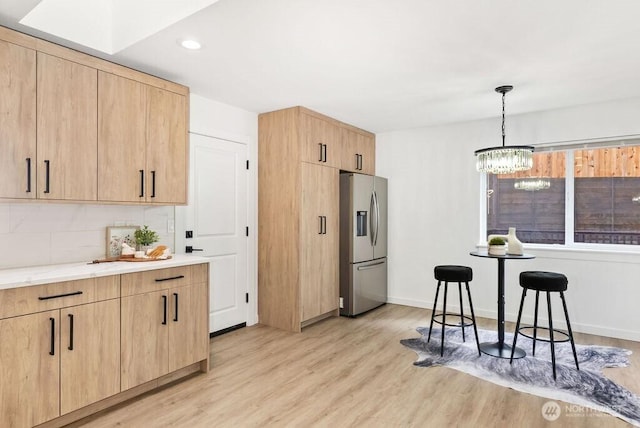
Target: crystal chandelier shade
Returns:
[[504, 159], [532, 184]]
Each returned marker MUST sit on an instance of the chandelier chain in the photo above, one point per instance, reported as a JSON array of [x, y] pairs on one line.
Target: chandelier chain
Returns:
[[503, 118]]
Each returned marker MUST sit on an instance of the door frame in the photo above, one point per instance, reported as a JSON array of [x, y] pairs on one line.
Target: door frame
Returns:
[[252, 216]]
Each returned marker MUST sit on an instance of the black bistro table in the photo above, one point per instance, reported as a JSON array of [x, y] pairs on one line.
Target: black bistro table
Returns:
[[500, 349]]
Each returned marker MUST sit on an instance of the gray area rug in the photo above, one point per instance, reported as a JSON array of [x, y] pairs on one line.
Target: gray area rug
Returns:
[[586, 387]]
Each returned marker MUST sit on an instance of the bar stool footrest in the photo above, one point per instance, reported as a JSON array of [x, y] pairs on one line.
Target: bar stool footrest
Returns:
[[565, 338], [438, 319]]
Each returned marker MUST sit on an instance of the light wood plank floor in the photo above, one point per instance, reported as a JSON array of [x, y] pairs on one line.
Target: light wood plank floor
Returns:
[[345, 372]]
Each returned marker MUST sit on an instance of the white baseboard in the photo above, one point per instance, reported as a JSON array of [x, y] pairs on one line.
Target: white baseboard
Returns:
[[577, 327]]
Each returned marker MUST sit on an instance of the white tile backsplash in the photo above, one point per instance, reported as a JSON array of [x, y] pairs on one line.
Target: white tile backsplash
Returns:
[[5, 212], [33, 234]]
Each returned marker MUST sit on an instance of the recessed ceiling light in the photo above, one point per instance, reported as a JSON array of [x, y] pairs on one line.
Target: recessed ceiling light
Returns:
[[190, 44]]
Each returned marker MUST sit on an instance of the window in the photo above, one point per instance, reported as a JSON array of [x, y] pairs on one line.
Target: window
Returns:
[[603, 187]]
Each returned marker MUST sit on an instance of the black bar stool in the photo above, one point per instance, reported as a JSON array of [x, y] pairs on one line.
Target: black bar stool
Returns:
[[459, 274], [549, 282]]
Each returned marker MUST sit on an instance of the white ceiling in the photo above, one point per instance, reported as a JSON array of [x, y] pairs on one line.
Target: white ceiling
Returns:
[[393, 64]]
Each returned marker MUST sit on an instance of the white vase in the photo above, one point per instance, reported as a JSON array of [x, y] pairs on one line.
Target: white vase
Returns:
[[514, 246], [497, 250]]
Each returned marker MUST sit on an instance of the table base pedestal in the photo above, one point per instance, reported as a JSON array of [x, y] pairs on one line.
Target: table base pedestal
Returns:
[[495, 350]]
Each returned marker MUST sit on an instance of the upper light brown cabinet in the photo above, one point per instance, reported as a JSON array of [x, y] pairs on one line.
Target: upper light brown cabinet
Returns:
[[320, 140], [17, 121], [142, 148], [49, 134], [67, 130], [166, 146], [358, 151], [77, 128]]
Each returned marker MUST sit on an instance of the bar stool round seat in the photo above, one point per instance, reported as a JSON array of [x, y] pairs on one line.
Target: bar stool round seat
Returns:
[[447, 274], [547, 282], [543, 281]]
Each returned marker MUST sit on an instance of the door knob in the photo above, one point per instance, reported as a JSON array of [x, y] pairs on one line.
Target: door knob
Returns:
[[190, 249]]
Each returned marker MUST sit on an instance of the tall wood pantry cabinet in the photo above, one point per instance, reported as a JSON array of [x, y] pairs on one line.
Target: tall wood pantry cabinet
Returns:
[[301, 153]]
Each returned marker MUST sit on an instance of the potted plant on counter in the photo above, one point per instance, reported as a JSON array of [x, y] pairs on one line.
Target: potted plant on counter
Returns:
[[497, 246], [145, 237]]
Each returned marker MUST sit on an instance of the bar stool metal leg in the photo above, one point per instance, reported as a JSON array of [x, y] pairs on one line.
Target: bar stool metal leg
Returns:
[[517, 331], [566, 316], [553, 348], [444, 317], [461, 311], [473, 317], [433, 312], [535, 324]]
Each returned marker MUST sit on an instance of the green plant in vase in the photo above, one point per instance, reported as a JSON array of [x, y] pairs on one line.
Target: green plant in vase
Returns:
[[145, 237], [497, 246]]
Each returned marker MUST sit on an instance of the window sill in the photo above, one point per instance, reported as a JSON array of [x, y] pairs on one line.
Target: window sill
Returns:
[[585, 252]]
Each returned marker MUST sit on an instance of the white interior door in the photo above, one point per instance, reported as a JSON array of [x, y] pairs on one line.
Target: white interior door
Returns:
[[217, 217]]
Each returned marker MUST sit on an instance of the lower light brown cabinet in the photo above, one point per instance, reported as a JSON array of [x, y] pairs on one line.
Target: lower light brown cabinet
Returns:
[[89, 354], [68, 348], [57, 361], [162, 330], [29, 390]]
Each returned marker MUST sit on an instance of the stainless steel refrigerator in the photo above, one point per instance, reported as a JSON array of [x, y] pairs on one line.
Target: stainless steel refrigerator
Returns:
[[363, 243]]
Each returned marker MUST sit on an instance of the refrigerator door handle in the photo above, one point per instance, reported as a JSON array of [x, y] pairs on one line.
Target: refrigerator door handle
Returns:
[[372, 222], [371, 266], [377, 207]]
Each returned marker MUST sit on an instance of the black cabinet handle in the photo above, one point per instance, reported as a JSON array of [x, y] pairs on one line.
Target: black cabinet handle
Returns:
[[357, 161], [324, 159], [175, 315], [56, 296], [164, 310], [153, 184], [170, 278], [28, 175], [190, 249], [70, 347], [323, 225], [141, 183], [320, 144], [52, 351], [46, 176]]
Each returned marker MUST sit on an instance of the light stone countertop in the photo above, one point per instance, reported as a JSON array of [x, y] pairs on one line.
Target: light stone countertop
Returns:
[[35, 275]]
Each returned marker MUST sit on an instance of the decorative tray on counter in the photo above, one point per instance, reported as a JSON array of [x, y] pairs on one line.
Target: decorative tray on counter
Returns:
[[129, 259], [144, 259]]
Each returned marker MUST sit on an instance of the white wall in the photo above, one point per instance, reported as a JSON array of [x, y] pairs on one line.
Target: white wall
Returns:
[[434, 217]]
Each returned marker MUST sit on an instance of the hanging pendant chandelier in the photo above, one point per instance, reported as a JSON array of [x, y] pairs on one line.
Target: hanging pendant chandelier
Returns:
[[504, 159]]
